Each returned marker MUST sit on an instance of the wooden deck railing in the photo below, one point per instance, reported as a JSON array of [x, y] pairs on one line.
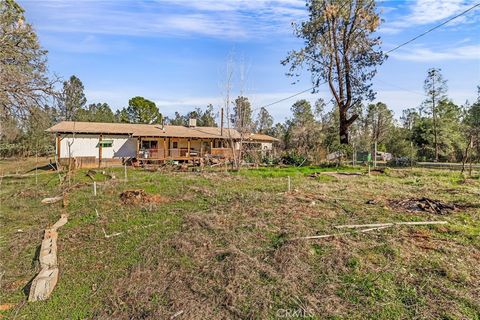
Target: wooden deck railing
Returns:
[[183, 154]]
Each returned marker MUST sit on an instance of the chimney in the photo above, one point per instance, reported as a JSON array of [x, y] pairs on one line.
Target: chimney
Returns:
[[192, 122]]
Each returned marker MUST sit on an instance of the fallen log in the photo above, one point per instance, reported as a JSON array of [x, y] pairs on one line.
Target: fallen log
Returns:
[[46, 280]]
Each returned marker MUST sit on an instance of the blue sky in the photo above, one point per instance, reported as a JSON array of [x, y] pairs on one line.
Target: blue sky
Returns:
[[175, 52]]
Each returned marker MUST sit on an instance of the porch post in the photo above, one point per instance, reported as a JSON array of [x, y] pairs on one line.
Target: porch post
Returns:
[[164, 148], [139, 141], [100, 150], [59, 143], [188, 147]]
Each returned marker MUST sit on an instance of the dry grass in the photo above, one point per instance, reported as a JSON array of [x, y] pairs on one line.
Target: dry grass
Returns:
[[221, 248]]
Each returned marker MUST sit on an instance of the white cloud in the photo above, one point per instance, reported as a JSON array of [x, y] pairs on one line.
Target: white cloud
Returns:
[[470, 52], [237, 19], [424, 12]]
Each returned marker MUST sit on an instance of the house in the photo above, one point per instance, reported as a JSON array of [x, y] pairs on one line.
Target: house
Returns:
[[101, 144]]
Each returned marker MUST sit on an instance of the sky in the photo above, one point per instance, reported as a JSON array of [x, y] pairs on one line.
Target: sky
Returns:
[[176, 52]]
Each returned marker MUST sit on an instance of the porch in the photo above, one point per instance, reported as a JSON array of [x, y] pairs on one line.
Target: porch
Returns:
[[182, 149]]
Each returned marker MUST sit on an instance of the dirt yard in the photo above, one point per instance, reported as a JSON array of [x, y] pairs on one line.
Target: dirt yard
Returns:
[[217, 245]]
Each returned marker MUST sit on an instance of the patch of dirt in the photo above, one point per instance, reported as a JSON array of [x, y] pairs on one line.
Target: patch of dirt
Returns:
[[377, 171], [424, 204], [139, 196], [203, 191]]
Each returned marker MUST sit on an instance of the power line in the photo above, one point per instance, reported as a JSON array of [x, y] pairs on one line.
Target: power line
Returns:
[[434, 28], [286, 98], [389, 51]]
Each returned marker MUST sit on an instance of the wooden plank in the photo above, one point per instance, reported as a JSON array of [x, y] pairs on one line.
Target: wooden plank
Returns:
[[373, 225]]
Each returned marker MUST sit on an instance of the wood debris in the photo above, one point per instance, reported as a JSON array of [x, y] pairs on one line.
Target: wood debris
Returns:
[[370, 227], [424, 204], [52, 200], [391, 224], [46, 280]]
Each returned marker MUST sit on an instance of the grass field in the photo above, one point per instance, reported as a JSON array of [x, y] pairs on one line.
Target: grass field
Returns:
[[218, 245]]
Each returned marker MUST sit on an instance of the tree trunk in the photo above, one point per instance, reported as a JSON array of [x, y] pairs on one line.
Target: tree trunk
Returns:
[[345, 123], [343, 132], [465, 155]]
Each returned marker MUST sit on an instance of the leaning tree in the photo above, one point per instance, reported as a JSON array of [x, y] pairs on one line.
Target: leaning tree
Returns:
[[340, 50]]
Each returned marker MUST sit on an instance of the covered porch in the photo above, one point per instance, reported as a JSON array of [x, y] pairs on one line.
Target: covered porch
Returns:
[[182, 149]]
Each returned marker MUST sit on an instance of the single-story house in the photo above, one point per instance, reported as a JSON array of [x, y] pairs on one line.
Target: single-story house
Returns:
[[96, 143]]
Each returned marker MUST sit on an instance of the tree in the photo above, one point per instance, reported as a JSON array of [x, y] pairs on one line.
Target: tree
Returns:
[[207, 118], [72, 98], [241, 116], [435, 88], [204, 118], [380, 121], [472, 122], [178, 120], [96, 112], [450, 138], [302, 113], [140, 110], [264, 122], [24, 81], [304, 131], [340, 49]]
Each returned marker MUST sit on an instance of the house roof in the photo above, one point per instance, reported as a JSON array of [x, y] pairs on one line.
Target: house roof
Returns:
[[145, 130], [261, 137]]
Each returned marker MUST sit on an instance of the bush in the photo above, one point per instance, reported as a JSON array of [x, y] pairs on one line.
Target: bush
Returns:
[[295, 159]]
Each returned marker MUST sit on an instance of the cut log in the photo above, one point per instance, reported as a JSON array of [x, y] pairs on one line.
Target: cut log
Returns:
[[44, 283], [52, 200]]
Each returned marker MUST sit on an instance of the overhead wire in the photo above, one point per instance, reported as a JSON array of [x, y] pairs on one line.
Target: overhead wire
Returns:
[[387, 52]]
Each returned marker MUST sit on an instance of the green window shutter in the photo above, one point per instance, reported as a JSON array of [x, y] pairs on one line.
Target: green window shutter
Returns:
[[105, 143]]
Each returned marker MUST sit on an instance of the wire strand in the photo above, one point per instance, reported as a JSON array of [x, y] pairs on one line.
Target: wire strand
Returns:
[[387, 52]]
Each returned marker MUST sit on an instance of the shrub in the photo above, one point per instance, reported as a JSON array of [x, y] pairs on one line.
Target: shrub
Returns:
[[295, 159]]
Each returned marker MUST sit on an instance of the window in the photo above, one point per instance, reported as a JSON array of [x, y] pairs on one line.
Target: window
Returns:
[[175, 145], [105, 144], [149, 144]]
